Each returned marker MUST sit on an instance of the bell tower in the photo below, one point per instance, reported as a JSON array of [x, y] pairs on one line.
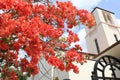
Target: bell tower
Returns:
[[105, 32]]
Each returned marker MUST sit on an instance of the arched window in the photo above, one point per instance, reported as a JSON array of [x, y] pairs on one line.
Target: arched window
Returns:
[[104, 15], [107, 17]]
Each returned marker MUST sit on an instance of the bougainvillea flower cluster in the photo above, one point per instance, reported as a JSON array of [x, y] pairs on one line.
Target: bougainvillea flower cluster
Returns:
[[37, 29]]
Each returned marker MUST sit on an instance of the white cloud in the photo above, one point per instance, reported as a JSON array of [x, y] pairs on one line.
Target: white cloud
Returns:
[[81, 34], [85, 4], [82, 42]]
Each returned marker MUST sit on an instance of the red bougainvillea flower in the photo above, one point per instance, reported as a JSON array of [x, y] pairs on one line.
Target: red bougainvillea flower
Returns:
[[3, 45], [72, 55], [72, 37], [56, 62], [70, 66], [86, 18]]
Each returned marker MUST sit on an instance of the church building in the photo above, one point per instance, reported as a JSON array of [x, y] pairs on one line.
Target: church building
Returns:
[[105, 33]]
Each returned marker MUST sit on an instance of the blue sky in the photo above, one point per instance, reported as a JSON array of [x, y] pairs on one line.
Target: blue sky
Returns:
[[110, 5]]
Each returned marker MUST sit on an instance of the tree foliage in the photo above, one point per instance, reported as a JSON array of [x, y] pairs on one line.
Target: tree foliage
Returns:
[[37, 27]]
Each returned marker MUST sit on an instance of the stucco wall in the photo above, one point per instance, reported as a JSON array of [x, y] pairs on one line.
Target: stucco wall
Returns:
[[84, 74]]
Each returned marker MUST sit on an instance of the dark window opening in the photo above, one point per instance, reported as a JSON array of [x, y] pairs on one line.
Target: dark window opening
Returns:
[[104, 15], [107, 17], [115, 37], [97, 46]]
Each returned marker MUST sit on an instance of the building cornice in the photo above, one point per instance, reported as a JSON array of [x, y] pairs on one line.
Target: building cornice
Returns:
[[101, 9]]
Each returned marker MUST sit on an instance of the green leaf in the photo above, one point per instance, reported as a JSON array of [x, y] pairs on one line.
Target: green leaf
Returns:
[[23, 77]]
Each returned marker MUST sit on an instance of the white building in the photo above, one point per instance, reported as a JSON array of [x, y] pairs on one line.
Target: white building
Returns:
[[105, 33]]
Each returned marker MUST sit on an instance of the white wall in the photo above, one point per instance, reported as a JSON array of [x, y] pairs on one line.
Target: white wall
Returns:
[[84, 74], [85, 71]]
